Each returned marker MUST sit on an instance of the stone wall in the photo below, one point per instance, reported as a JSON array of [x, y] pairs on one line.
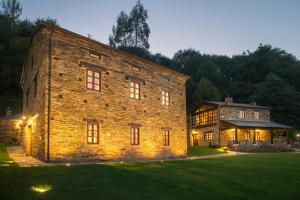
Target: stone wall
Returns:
[[71, 103], [33, 137], [9, 131], [232, 113]]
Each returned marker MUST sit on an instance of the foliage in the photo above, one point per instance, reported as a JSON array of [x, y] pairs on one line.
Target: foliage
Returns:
[[131, 30], [11, 9], [14, 39]]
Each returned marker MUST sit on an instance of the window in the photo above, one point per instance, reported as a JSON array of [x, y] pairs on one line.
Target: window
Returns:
[[208, 136], [93, 80], [94, 55], [205, 118], [247, 135], [233, 136], [134, 136], [92, 133], [35, 85], [27, 96], [242, 114], [134, 90], [257, 136], [165, 98], [136, 68], [256, 115], [166, 137]]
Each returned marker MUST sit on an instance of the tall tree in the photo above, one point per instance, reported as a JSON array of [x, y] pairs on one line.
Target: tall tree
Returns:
[[140, 28], [122, 33], [12, 9], [131, 31]]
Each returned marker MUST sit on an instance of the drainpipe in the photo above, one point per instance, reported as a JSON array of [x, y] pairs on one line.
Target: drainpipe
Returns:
[[49, 93]]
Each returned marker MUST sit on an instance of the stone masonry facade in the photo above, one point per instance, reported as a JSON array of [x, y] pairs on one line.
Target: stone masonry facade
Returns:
[[222, 134], [60, 112]]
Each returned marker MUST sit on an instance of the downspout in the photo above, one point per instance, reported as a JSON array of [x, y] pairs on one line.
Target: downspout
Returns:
[[49, 93]]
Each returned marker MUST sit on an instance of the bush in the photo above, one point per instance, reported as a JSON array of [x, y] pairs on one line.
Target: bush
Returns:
[[263, 147], [213, 145]]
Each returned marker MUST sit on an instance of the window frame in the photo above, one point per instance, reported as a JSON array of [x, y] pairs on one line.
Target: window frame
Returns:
[[257, 136], [247, 135], [165, 98], [208, 136], [133, 90], [166, 137], [134, 135], [256, 115], [93, 133], [242, 114], [93, 79]]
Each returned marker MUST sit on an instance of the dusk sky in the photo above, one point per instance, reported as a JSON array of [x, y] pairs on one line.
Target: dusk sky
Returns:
[[226, 27]]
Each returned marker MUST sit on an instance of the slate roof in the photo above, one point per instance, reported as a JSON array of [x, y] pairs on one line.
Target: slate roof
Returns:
[[236, 104], [258, 124]]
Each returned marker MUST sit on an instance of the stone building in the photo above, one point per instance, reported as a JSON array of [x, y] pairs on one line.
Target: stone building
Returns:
[[85, 100], [9, 127], [224, 123]]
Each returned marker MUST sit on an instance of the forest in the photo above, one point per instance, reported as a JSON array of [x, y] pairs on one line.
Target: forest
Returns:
[[268, 75]]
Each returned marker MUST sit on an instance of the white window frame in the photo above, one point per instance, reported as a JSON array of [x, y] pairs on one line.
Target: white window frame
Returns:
[[165, 98], [134, 90]]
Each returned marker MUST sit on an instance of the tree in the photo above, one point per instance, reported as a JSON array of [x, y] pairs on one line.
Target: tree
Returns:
[[122, 33], [205, 90], [140, 28], [12, 9], [132, 30], [277, 93]]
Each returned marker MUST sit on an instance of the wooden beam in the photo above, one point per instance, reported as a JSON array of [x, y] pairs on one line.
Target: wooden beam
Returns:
[[272, 136], [254, 137]]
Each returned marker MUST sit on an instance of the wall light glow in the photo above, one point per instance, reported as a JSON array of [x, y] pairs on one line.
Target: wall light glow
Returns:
[[41, 188]]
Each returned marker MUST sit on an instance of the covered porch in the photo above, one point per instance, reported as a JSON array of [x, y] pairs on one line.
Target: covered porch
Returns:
[[246, 132]]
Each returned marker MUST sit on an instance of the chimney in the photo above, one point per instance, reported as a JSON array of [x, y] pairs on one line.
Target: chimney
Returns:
[[253, 103], [228, 100], [8, 112]]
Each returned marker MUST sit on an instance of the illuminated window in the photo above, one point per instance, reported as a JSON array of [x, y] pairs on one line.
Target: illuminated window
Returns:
[[134, 90], [165, 98], [95, 55], [136, 68], [208, 136], [247, 135], [233, 136], [206, 118], [242, 114], [256, 115], [92, 133], [93, 80], [257, 136], [134, 136], [166, 137]]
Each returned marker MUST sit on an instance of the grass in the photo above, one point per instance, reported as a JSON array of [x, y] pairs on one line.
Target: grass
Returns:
[[203, 151], [251, 176], [4, 158]]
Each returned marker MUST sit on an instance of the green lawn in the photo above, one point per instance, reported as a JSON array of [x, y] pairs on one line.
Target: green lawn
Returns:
[[253, 176], [203, 151], [4, 158]]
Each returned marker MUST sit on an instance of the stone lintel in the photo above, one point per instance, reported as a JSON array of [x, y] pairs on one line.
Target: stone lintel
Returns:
[[91, 65], [134, 125], [92, 120], [134, 79]]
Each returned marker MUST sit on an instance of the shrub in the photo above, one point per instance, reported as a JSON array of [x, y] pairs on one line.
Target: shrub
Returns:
[[263, 147]]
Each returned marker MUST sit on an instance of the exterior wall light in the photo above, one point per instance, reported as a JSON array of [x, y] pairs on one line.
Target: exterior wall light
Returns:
[[41, 188]]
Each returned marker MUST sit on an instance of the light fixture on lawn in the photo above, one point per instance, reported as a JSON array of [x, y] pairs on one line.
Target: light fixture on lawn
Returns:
[[41, 188]]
